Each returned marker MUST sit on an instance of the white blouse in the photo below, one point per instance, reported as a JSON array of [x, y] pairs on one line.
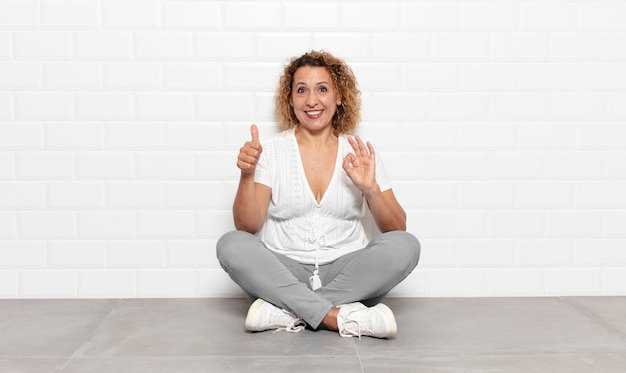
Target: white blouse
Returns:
[[296, 225]]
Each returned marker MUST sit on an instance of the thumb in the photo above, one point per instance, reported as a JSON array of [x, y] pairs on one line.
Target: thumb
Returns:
[[254, 131]]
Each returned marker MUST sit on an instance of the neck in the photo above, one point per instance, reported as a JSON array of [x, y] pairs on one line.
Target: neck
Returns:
[[315, 138]]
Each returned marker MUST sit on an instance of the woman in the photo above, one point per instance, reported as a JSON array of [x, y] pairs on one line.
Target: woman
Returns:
[[300, 249]]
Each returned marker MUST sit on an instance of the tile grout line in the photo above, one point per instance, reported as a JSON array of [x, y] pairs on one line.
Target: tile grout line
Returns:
[[358, 356], [117, 302]]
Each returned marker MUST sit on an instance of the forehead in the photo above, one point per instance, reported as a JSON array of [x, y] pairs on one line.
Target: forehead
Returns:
[[311, 74]]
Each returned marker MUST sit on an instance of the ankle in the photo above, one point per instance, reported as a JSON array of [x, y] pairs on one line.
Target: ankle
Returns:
[[330, 320]]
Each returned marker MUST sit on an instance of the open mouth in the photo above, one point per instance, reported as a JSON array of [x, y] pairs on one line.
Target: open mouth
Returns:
[[314, 114]]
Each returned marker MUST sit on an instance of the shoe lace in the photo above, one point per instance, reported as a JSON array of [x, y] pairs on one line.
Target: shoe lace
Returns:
[[353, 322], [295, 326]]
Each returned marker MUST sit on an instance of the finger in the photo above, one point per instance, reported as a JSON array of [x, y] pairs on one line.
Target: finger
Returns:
[[355, 145], [361, 145], [371, 148], [254, 131]]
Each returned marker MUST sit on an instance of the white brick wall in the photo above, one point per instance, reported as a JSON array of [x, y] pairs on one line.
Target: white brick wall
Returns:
[[501, 125]]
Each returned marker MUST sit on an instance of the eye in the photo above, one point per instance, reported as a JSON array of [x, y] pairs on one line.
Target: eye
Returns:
[[323, 89], [300, 90]]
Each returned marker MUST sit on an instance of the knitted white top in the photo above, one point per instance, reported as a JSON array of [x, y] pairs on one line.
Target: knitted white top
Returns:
[[296, 225]]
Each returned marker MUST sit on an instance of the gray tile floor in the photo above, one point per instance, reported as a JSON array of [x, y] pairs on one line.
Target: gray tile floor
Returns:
[[582, 334]]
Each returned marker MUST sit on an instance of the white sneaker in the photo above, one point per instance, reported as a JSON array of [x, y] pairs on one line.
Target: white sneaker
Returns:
[[355, 319], [265, 316]]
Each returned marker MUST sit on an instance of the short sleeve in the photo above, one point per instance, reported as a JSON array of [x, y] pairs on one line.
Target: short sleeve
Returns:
[[381, 174], [262, 170]]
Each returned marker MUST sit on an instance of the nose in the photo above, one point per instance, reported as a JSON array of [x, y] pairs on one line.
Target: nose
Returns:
[[311, 99]]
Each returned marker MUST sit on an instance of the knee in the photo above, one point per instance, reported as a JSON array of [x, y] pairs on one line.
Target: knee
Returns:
[[408, 248], [229, 247]]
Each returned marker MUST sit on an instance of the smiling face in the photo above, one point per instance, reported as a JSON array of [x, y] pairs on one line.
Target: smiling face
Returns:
[[314, 98]]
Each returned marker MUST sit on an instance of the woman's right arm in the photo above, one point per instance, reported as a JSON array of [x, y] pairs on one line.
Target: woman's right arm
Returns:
[[252, 199]]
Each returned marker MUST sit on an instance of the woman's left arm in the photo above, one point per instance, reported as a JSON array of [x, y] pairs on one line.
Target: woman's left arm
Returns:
[[360, 167]]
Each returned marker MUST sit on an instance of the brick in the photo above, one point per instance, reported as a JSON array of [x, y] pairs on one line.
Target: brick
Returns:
[[544, 194], [514, 224], [574, 281], [601, 77], [77, 254], [457, 282], [131, 15], [107, 283], [387, 46], [104, 106], [166, 224], [73, 76], [5, 44], [133, 75], [601, 136], [134, 135], [377, 76], [196, 195], [615, 106], [458, 224], [22, 254], [45, 165], [518, 106], [515, 46], [170, 165], [370, 16], [163, 106], [19, 14], [548, 77], [460, 46], [224, 45], [135, 195], [614, 163], [579, 46], [544, 253], [74, 136], [430, 16], [515, 282], [23, 136], [576, 106], [599, 253], [191, 15], [105, 165], [617, 46], [295, 21], [193, 75], [396, 168], [106, 225], [40, 45], [414, 285], [457, 165], [136, 254], [22, 75], [164, 283], [613, 281], [435, 136], [74, 14], [280, 45], [164, 45], [549, 16], [194, 136], [456, 106], [74, 195], [383, 137], [103, 45], [488, 195], [7, 166], [22, 195], [487, 136], [46, 225], [192, 254], [426, 194], [244, 76], [224, 106], [438, 253], [8, 224], [245, 15], [44, 106], [217, 165], [215, 283], [547, 135], [489, 77], [430, 77], [573, 223], [6, 106], [395, 107], [600, 194], [351, 46], [574, 165], [516, 165], [614, 222], [603, 16], [9, 284], [213, 224], [53, 284], [485, 253], [490, 16]]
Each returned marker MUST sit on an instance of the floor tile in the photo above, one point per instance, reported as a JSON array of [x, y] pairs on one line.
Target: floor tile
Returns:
[[31, 365], [199, 327], [48, 328], [491, 325], [610, 311], [274, 364]]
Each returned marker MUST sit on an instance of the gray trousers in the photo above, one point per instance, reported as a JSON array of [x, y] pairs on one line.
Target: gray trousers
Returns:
[[366, 275]]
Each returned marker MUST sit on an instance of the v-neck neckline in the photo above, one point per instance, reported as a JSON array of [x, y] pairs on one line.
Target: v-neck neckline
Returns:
[[303, 172]]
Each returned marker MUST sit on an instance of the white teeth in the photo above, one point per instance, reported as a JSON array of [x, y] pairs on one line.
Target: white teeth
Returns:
[[314, 112]]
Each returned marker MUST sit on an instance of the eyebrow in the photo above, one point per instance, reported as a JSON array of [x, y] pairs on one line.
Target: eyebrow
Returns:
[[318, 83]]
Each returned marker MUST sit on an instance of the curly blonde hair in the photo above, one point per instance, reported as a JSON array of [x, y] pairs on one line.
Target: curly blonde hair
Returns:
[[348, 111]]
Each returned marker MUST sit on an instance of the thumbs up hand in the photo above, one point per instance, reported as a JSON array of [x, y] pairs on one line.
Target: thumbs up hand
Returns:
[[250, 152]]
